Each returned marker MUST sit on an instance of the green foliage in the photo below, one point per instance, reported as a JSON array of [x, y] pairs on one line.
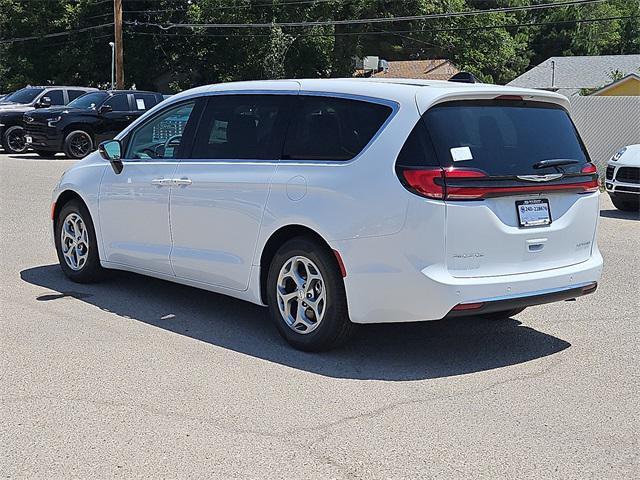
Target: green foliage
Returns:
[[496, 47]]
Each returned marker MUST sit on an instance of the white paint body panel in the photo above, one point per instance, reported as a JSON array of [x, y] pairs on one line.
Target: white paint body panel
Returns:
[[630, 158], [395, 245]]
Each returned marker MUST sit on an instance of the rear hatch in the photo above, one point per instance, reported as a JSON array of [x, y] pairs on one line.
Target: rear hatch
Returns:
[[517, 183]]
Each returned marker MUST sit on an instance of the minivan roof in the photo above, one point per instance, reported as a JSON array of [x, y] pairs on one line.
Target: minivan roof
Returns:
[[424, 92]]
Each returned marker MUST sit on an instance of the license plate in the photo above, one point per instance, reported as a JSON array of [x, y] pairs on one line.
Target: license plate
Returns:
[[28, 139], [533, 213]]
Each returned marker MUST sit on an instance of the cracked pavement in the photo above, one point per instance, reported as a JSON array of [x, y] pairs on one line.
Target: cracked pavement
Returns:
[[140, 378]]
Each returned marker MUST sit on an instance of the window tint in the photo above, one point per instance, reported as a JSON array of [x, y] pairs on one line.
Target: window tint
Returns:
[[24, 95], [418, 150], [144, 101], [241, 127], [504, 137], [324, 128], [90, 100], [73, 94], [161, 137], [119, 103], [56, 97]]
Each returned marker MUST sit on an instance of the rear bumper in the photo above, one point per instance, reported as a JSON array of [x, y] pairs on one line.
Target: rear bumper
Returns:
[[510, 302], [398, 292]]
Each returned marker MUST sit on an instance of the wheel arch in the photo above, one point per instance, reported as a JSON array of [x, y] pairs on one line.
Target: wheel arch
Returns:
[[65, 197], [278, 238]]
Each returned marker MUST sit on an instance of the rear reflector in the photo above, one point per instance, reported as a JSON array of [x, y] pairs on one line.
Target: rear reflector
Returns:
[[468, 306], [589, 288], [53, 210]]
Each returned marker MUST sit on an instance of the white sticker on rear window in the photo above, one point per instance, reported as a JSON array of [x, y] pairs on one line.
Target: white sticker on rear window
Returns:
[[460, 154], [140, 103]]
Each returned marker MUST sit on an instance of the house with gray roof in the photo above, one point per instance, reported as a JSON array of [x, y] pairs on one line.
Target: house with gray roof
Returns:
[[568, 75]]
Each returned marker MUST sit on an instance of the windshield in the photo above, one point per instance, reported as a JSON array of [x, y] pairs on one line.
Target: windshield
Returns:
[[505, 137], [24, 95], [90, 100]]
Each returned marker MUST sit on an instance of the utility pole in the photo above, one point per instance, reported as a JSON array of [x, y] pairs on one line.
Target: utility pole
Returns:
[[117, 22]]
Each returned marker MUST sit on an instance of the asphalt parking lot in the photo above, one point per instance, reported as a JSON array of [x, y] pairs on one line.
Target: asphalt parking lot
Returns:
[[137, 377]]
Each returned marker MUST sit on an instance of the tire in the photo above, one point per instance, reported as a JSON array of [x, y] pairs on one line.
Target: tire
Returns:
[[87, 267], [324, 327], [503, 315], [625, 205], [78, 144], [13, 140]]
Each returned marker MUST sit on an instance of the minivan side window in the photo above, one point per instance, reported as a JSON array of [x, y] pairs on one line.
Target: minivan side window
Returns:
[[237, 127], [161, 137], [334, 129], [119, 103]]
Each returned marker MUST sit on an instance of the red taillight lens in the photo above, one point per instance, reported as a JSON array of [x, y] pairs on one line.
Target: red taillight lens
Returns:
[[424, 182], [468, 306], [471, 184]]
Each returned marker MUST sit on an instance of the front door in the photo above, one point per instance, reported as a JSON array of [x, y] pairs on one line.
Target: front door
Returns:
[[116, 119], [217, 207], [134, 204]]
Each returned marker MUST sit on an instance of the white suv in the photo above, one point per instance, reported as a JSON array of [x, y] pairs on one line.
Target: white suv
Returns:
[[342, 202], [623, 178]]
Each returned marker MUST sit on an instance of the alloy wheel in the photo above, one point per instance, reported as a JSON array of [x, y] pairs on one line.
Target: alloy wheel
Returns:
[[80, 145], [74, 241], [16, 141], [301, 294]]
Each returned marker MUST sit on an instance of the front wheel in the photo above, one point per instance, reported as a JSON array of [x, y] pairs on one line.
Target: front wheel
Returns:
[[78, 144], [13, 140], [306, 296], [76, 243]]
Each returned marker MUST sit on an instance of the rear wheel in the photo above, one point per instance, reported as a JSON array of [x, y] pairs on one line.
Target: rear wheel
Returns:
[[13, 140], [503, 315], [306, 296], [78, 144], [625, 205], [76, 243]]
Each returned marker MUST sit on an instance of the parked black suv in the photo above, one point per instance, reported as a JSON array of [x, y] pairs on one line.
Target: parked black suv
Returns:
[[78, 128], [13, 107]]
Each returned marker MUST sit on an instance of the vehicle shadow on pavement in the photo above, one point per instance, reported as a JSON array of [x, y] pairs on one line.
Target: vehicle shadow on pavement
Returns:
[[394, 352], [615, 213]]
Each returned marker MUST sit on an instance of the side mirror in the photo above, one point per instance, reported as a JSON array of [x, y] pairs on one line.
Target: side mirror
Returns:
[[105, 109], [44, 102], [111, 151]]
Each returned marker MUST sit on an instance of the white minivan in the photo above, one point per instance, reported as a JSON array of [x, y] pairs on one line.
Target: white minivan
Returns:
[[343, 201]]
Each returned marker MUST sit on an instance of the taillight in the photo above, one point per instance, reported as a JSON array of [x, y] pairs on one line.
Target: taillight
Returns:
[[427, 182], [471, 184]]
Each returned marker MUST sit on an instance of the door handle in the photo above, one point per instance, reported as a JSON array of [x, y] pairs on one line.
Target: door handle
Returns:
[[161, 181], [182, 181]]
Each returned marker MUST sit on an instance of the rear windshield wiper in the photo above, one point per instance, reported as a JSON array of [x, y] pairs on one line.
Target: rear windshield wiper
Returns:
[[557, 162]]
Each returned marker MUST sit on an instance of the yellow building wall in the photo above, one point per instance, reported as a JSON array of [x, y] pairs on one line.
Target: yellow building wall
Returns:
[[628, 88]]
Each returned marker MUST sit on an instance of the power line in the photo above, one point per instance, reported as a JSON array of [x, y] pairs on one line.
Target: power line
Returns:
[[361, 21], [391, 32], [51, 35]]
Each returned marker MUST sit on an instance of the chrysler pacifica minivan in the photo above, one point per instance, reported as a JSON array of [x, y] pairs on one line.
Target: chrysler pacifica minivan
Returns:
[[344, 201]]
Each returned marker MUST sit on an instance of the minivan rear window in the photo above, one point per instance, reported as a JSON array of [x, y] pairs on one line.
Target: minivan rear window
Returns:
[[334, 129], [504, 137]]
